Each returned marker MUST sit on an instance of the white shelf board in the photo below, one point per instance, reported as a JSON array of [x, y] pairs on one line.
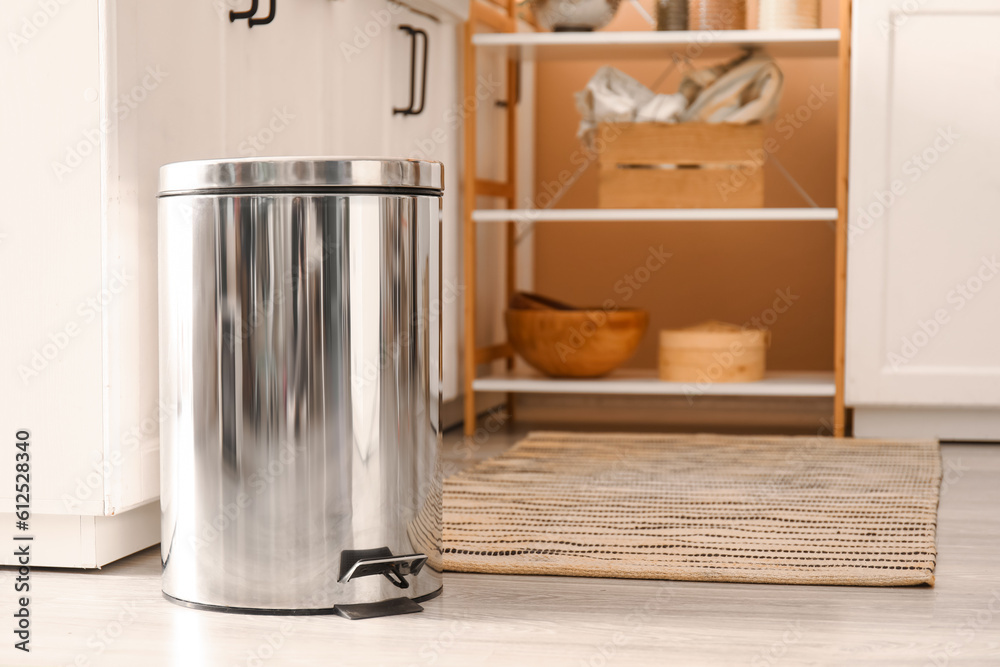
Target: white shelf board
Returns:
[[616, 45], [653, 214], [635, 382]]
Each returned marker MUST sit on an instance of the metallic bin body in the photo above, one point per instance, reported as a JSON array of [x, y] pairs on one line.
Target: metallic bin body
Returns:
[[300, 371]]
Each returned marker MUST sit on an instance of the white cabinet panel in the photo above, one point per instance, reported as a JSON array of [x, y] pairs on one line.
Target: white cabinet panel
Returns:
[[360, 36], [51, 250], [274, 97], [433, 134], [160, 104], [924, 244]]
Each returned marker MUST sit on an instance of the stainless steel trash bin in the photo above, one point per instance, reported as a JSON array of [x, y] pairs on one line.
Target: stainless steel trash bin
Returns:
[[300, 350]]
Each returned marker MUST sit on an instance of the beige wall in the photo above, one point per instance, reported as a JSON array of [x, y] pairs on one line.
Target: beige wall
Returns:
[[719, 270]]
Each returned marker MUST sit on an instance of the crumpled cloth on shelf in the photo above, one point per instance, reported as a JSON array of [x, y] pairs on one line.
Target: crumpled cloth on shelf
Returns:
[[744, 90], [749, 92], [612, 96]]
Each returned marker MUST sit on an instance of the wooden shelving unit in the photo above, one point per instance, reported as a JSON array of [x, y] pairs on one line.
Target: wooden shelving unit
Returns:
[[501, 18]]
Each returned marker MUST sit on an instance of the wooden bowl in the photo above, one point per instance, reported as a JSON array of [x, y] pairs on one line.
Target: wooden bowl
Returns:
[[575, 343]]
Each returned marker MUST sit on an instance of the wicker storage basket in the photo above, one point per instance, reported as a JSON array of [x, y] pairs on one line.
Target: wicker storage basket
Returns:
[[713, 352], [787, 14]]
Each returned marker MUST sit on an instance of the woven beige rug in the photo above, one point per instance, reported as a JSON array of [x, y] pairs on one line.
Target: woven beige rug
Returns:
[[789, 510]]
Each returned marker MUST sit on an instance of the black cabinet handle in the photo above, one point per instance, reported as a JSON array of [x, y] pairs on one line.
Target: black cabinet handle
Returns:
[[413, 55], [267, 19], [423, 76], [414, 33], [248, 14], [236, 16]]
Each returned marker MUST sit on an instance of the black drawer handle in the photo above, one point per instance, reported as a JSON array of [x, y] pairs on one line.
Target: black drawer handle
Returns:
[[248, 14], [237, 16], [414, 33], [267, 19]]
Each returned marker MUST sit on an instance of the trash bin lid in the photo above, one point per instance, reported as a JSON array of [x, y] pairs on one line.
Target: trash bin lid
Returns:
[[303, 174]]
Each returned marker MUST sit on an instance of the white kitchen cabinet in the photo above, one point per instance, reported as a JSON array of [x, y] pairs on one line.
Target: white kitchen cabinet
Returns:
[[97, 97], [923, 278], [432, 134]]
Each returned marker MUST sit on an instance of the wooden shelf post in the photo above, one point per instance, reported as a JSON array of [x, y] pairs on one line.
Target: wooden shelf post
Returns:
[[840, 261]]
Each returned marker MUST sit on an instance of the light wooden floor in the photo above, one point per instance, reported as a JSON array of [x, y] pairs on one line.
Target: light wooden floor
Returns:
[[118, 617]]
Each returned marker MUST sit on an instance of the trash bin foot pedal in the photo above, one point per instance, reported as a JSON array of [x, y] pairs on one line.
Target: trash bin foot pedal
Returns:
[[393, 607], [355, 563]]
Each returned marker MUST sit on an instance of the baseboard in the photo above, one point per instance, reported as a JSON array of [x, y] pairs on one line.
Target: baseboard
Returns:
[[962, 424], [66, 540]]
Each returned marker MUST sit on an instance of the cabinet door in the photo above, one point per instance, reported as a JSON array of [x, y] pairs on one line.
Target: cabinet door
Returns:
[[424, 133], [276, 99], [923, 310], [432, 134], [356, 90], [51, 254]]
